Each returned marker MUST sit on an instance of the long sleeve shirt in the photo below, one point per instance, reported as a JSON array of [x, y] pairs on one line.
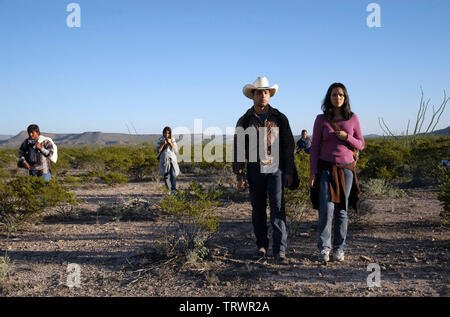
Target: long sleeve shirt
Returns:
[[38, 159], [274, 119], [303, 144], [326, 146]]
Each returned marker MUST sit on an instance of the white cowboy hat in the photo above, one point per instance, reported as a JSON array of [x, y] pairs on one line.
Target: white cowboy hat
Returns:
[[261, 83]]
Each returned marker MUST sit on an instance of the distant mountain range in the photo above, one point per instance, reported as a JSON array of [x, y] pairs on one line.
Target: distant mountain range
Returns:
[[445, 131], [5, 137], [93, 138], [103, 139], [86, 138]]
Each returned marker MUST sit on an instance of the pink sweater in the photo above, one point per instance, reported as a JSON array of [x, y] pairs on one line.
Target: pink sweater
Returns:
[[326, 146]]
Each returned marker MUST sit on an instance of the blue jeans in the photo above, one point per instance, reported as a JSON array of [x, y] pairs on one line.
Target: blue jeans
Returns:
[[263, 185], [326, 212], [47, 176], [172, 183]]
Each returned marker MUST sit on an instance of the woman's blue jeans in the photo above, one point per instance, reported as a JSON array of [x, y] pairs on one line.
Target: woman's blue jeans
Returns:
[[328, 212], [170, 179]]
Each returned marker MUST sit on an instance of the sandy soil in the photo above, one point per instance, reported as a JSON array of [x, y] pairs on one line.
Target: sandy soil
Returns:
[[117, 257]]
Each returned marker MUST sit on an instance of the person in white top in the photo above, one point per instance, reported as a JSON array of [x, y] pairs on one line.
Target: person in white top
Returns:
[[168, 164]]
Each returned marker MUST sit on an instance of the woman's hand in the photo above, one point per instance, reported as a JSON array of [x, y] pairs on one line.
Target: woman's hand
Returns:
[[161, 148], [341, 135], [312, 180]]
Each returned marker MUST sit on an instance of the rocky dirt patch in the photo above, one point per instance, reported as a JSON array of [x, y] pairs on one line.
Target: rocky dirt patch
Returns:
[[118, 255]]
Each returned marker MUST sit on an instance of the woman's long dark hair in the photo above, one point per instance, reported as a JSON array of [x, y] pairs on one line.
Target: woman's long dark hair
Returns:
[[329, 110], [167, 129]]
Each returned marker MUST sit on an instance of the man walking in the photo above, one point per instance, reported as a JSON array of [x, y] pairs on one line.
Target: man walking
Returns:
[[36, 152], [269, 168]]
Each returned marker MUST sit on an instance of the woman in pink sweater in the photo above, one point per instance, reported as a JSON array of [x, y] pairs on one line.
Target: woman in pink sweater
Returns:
[[334, 148]]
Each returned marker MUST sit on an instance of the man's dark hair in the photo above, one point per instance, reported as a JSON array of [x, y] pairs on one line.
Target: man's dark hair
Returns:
[[328, 109], [304, 131], [33, 128]]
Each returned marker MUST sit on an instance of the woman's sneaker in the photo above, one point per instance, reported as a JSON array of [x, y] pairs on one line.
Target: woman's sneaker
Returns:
[[338, 256], [281, 258], [324, 255]]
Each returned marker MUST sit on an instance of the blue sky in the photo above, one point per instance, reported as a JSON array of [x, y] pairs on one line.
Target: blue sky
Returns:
[[156, 63]]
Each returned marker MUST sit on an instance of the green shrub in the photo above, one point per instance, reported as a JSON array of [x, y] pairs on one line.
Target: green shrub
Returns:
[[142, 162], [4, 174], [112, 178], [403, 158], [24, 198], [8, 158], [71, 180], [444, 197], [190, 168], [225, 194], [61, 168], [134, 161], [379, 187], [194, 205], [132, 209], [86, 158], [297, 201], [204, 167], [195, 220], [224, 176], [5, 267], [427, 152], [199, 250], [383, 158], [425, 172]]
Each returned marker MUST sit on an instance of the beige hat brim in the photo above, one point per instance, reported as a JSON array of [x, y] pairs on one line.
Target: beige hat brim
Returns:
[[248, 90]]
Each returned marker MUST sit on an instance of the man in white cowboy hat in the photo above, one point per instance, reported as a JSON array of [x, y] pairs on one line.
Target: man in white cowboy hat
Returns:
[[263, 181]]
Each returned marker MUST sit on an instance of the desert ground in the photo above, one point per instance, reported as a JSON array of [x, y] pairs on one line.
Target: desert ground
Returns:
[[118, 257]]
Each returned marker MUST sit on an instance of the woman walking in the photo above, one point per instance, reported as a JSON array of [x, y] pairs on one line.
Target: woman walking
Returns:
[[336, 137], [168, 165]]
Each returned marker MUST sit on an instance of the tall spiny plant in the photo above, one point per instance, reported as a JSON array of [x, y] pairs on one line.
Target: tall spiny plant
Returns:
[[420, 119]]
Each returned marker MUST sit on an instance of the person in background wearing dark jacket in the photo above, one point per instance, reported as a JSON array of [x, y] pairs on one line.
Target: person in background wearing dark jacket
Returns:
[[304, 143], [35, 153], [272, 126], [336, 134]]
